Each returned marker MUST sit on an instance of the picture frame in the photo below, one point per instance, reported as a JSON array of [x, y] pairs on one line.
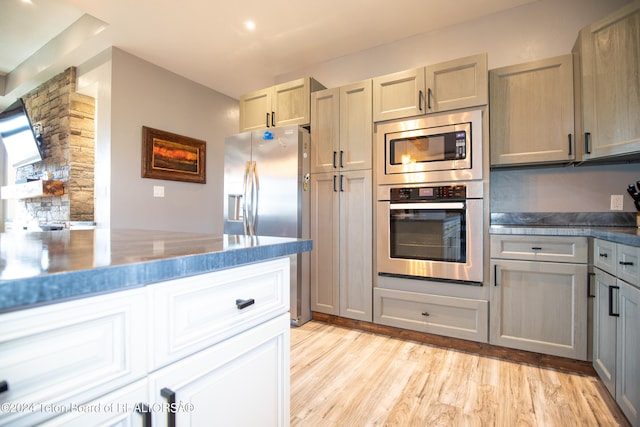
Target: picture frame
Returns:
[[173, 157]]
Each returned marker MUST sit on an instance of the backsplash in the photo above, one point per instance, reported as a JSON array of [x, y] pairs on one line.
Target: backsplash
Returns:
[[573, 219], [67, 120]]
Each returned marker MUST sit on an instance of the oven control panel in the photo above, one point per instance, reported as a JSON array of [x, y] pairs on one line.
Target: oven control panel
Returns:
[[446, 192]]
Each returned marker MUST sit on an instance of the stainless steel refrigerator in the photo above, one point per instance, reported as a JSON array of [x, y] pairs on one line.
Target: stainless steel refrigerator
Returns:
[[266, 175]]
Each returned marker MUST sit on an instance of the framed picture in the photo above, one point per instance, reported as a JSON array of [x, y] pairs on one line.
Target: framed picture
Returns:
[[166, 155]]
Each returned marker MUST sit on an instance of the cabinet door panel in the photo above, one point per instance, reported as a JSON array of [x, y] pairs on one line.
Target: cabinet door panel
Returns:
[[291, 102], [254, 107], [399, 95], [356, 247], [217, 384], [325, 130], [628, 362], [532, 112], [455, 84], [604, 331], [540, 307], [356, 126], [325, 236], [610, 85]]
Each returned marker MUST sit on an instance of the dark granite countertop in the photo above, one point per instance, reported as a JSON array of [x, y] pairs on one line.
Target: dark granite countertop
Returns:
[[51, 266], [614, 227]]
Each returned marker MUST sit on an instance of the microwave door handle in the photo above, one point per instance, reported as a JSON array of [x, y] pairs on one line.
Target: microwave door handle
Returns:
[[431, 206]]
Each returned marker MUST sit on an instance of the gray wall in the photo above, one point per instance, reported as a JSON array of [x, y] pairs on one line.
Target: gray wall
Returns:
[[143, 94], [541, 29]]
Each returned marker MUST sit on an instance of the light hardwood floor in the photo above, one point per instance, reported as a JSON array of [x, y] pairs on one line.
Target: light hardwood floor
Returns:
[[343, 377]]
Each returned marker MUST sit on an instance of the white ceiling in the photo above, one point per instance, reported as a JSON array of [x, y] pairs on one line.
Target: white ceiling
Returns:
[[206, 40]]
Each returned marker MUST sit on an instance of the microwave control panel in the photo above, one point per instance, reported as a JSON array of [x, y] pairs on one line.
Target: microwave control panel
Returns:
[[446, 192]]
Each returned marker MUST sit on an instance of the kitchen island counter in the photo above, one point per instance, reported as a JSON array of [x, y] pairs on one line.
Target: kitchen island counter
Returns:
[[52, 266]]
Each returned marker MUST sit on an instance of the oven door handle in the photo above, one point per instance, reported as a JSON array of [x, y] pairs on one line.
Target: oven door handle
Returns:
[[432, 206]]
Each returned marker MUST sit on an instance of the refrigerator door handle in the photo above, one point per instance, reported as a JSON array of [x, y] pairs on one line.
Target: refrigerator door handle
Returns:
[[245, 200], [255, 198]]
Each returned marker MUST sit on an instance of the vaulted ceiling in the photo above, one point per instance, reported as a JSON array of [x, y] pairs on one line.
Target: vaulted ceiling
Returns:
[[208, 41]]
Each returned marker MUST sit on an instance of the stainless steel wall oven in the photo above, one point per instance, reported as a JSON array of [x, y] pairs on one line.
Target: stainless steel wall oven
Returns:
[[431, 231]]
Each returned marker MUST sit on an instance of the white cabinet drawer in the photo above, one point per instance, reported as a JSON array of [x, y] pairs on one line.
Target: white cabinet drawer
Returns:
[[192, 313], [605, 256], [70, 353], [540, 248], [443, 315], [628, 264], [119, 408]]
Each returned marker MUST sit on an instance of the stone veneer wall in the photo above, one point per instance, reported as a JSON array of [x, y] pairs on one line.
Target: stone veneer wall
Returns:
[[67, 120]]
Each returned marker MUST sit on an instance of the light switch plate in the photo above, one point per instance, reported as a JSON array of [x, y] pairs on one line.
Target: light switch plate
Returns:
[[158, 191], [616, 202]]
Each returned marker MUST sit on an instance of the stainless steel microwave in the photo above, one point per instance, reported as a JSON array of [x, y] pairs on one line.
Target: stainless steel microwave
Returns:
[[446, 147]]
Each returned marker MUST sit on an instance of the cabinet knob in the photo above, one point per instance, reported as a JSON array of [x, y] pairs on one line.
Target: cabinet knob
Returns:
[[603, 255], [425, 313], [626, 263], [4, 386]]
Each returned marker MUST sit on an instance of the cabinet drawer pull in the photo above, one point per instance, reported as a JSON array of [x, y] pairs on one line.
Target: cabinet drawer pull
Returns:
[[570, 145], [603, 255], [143, 409], [273, 119], [335, 165], [425, 313], [420, 99], [170, 395], [341, 158], [244, 303], [429, 95], [626, 263], [536, 248], [611, 299], [4, 386], [587, 142], [267, 121]]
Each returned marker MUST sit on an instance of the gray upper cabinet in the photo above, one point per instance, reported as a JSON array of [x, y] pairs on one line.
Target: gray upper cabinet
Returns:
[[399, 95], [455, 84], [608, 86], [341, 128], [281, 105], [450, 85], [532, 117]]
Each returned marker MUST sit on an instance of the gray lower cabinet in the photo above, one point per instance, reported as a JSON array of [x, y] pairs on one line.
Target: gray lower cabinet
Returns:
[[616, 322], [342, 255], [604, 331], [537, 304], [450, 316]]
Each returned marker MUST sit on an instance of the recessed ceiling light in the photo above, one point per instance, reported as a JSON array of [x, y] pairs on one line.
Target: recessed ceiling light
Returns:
[[27, 1], [250, 25]]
